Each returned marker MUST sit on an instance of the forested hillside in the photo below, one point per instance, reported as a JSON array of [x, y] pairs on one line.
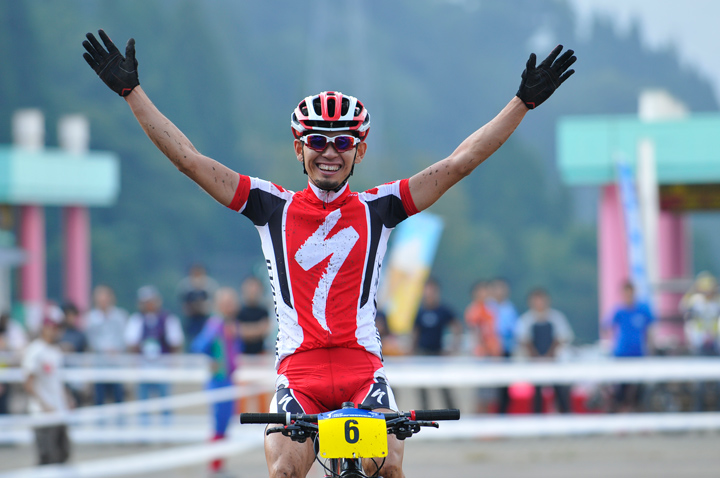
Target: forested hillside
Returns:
[[229, 74]]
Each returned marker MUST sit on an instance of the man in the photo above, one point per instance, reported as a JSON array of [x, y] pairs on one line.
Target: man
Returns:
[[431, 322], [42, 366], [700, 307], [481, 319], [253, 317], [630, 324], [195, 293], [324, 245], [506, 317], [105, 329], [152, 332], [543, 332], [13, 340], [73, 341]]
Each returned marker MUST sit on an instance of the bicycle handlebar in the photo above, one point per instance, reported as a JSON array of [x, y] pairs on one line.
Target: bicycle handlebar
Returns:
[[287, 418], [432, 415], [284, 418]]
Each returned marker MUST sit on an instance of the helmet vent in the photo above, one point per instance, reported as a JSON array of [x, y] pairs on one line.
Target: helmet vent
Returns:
[[317, 106]]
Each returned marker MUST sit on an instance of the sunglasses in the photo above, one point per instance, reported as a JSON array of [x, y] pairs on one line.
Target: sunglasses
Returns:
[[318, 142]]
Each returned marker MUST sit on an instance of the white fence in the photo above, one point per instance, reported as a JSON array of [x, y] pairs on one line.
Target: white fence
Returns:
[[259, 376], [401, 371]]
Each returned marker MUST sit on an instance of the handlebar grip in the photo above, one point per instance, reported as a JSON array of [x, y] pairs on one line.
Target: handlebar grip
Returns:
[[264, 418], [447, 414]]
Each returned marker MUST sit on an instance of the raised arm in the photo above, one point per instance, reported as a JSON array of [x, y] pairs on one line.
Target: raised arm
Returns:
[[537, 84], [120, 74], [215, 178]]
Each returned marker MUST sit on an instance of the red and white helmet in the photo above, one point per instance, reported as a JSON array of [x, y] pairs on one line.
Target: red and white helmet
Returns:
[[330, 111]]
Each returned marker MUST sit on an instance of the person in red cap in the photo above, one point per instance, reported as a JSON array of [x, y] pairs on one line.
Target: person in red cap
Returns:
[[42, 364]]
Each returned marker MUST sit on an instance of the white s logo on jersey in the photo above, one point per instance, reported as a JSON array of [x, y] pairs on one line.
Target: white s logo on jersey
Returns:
[[316, 249]]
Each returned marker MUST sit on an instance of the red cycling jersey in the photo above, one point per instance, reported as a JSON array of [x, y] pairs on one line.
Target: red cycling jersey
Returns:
[[324, 251]]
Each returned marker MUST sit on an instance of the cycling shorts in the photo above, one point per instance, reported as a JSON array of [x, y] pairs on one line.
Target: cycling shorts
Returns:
[[320, 380]]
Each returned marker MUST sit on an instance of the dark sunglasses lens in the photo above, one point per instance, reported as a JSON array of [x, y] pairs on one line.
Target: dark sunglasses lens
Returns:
[[343, 143], [316, 142]]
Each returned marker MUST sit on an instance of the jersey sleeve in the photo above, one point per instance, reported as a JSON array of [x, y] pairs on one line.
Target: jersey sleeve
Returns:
[[392, 202], [256, 199]]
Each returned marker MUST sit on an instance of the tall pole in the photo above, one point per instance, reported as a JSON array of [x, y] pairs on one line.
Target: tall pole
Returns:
[[74, 138], [666, 233], [29, 136]]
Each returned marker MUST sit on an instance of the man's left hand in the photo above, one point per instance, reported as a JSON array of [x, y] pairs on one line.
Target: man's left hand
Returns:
[[538, 83]]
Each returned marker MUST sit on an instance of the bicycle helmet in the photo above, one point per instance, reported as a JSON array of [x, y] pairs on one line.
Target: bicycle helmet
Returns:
[[330, 111]]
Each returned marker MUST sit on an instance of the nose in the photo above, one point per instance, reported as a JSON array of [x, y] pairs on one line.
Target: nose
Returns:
[[330, 150]]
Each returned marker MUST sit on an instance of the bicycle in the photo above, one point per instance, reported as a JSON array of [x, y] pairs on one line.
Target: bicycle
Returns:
[[350, 434]]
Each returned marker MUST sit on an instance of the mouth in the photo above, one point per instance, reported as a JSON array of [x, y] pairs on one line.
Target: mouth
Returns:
[[329, 168]]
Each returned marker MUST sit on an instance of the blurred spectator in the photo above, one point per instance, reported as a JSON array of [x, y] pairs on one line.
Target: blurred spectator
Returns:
[[506, 321], [153, 332], [630, 323], [431, 322], [73, 341], [542, 332], [391, 346], [105, 330], [253, 320], [701, 309], [42, 366], [195, 293], [12, 341], [480, 319], [219, 340]]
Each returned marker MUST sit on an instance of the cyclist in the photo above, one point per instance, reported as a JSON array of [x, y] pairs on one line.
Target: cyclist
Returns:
[[324, 245]]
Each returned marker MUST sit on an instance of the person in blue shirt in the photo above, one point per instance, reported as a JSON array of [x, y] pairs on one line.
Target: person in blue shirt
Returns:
[[506, 317], [630, 324]]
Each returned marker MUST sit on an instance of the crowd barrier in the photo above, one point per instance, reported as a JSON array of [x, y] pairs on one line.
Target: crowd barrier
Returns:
[[401, 371], [258, 377]]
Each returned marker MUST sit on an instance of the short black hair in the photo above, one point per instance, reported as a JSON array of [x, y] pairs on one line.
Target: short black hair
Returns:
[[538, 292], [70, 308]]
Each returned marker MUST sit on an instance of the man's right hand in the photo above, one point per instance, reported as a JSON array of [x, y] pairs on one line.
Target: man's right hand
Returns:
[[118, 72]]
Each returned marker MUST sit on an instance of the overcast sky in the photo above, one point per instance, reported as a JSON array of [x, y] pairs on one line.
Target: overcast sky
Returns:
[[693, 26]]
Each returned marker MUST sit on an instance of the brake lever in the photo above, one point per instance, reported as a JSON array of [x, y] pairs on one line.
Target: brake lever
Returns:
[[404, 428], [424, 423], [297, 431]]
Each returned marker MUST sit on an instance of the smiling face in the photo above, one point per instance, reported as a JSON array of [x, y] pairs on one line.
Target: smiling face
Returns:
[[329, 169]]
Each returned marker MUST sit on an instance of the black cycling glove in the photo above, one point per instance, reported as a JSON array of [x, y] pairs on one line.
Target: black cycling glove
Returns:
[[538, 83], [119, 73]]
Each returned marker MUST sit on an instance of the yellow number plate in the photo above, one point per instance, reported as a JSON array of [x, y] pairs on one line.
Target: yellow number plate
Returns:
[[352, 433]]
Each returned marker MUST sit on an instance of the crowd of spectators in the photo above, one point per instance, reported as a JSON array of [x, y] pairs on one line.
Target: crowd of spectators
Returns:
[[495, 331], [214, 321], [223, 323]]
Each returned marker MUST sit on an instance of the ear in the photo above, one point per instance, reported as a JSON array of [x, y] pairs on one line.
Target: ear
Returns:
[[298, 145], [362, 149]]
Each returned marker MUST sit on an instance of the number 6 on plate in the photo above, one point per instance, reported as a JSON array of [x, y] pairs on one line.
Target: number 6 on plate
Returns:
[[352, 433]]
